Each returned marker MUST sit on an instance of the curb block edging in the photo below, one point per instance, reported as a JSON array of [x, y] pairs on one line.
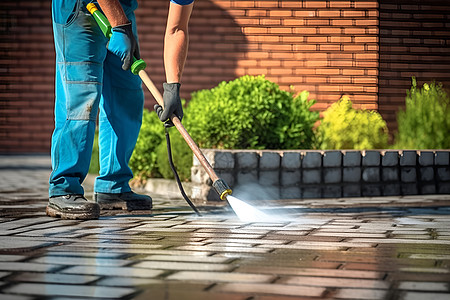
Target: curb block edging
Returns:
[[301, 174]]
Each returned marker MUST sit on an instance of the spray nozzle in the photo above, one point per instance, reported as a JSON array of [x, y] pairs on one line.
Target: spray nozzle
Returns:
[[222, 188]]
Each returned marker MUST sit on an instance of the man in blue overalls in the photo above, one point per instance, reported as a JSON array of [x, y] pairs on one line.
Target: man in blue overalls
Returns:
[[93, 73]]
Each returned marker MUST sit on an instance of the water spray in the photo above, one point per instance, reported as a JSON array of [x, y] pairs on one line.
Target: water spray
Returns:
[[138, 68]]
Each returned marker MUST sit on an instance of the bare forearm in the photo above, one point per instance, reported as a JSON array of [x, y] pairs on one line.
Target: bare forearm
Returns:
[[113, 11], [176, 41]]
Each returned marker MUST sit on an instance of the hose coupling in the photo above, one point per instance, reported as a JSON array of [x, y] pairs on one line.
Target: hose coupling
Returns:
[[222, 188]]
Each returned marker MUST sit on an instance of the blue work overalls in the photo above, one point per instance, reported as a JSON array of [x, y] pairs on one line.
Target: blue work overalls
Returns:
[[89, 77]]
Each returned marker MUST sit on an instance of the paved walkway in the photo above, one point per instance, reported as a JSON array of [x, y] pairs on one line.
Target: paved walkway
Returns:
[[355, 248]]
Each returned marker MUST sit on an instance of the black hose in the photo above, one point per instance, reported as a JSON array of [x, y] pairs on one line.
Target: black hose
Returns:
[[177, 178]]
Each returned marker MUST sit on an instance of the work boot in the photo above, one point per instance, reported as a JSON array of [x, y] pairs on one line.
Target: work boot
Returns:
[[126, 201], [72, 207]]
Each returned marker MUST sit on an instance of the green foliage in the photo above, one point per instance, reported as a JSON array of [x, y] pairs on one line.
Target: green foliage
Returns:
[[344, 127], [298, 132], [94, 167], [250, 113], [181, 154], [143, 162], [425, 122]]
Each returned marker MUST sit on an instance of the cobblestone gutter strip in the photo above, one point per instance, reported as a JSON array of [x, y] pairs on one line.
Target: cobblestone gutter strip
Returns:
[[298, 174]]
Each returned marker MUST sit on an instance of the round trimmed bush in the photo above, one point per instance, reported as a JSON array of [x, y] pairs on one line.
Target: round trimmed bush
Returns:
[[250, 112], [344, 127]]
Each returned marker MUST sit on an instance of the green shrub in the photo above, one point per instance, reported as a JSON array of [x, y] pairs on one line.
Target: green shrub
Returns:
[[143, 162], [181, 153], [250, 113], [344, 127], [425, 122]]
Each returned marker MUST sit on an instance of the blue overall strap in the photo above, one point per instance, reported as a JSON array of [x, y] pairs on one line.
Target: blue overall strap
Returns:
[[182, 2]]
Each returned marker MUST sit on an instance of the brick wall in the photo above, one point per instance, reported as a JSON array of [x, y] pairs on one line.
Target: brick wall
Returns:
[[414, 41], [26, 76], [328, 47]]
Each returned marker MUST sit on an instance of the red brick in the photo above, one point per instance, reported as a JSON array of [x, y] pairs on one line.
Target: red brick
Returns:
[[315, 4]]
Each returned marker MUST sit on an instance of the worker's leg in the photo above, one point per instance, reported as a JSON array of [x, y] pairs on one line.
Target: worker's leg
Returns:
[[120, 120], [80, 52]]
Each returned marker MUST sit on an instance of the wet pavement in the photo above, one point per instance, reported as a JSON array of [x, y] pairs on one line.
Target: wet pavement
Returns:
[[352, 248]]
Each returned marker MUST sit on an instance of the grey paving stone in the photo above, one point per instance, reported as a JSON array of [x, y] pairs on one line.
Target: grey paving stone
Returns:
[[228, 177], [311, 159], [390, 174], [116, 271], [352, 159], [408, 158], [311, 192], [291, 192], [409, 189], [332, 191], [127, 282], [27, 266], [54, 278], [187, 266], [426, 173], [219, 249], [332, 158], [371, 190], [11, 257], [371, 158], [336, 282], [269, 178], [221, 277], [290, 177], [426, 158], [424, 295], [311, 176], [291, 160], [371, 174], [247, 160], [351, 174], [269, 160], [332, 175], [191, 258], [428, 188], [77, 261], [223, 160], [408, 174], [272, 289], [390, 159], [391, 189], [69, 290], [302, 271], [442, 158], [443, 188], [351, 190], [247, 176], [443, 174]]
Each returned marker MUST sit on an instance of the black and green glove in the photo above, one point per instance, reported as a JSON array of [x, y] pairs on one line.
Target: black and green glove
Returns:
[[172, 104]]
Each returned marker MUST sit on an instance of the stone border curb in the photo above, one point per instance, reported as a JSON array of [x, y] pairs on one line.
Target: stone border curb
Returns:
[[297, 174]]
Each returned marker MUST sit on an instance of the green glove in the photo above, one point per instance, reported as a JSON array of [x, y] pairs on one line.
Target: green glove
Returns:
[[172, 104]]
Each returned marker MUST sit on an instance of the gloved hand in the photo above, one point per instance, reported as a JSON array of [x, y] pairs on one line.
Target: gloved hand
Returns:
[[172, 104], [123, 44]]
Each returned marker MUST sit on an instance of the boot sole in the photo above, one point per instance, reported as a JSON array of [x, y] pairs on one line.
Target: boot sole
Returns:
[[52, 212]]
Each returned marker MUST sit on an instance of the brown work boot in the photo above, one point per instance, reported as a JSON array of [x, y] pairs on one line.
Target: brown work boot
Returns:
[[72, 207], [125, 201]]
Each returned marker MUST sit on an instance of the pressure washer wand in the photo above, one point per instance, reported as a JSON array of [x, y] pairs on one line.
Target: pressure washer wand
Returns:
[[137, 68]]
